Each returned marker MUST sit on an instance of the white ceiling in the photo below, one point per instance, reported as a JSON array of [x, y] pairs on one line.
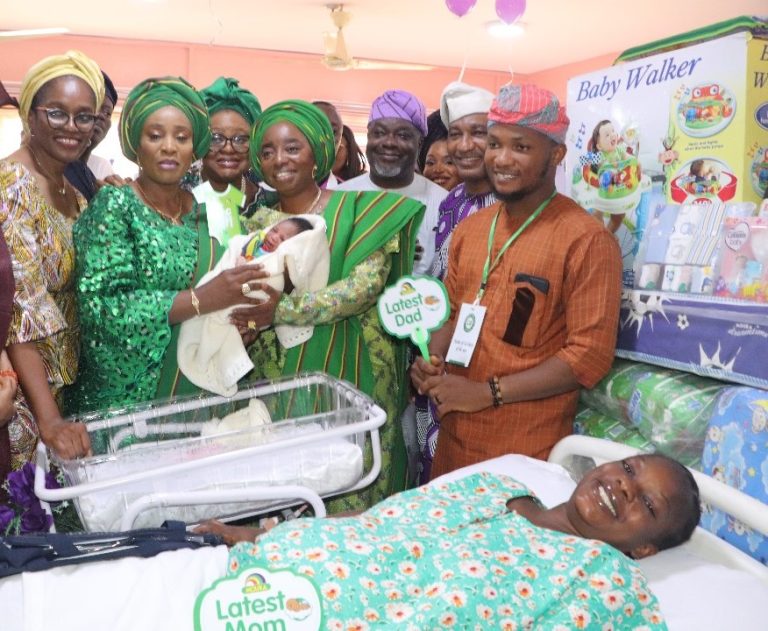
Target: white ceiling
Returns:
[[423, 31]]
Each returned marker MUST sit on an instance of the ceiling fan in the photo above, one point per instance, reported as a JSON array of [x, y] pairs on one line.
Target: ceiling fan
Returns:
[[337, 57], [32, 32]]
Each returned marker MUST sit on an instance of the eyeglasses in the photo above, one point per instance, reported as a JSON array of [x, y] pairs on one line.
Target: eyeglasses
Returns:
[[239, 142], [58, 118]]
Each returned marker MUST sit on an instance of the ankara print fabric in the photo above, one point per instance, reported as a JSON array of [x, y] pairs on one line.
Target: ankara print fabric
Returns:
[[452, 556], [40, 241]]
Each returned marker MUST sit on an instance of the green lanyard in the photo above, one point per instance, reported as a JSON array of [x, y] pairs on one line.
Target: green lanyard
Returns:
[[489, 267]]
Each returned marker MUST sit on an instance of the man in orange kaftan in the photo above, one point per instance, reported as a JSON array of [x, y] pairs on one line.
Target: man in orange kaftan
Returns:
[[551, 288]]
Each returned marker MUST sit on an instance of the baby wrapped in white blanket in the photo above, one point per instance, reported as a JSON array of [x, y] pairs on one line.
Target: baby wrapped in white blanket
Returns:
[[211, 353]]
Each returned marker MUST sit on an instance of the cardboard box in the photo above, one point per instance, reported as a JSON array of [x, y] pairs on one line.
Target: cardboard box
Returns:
[[683, 125]]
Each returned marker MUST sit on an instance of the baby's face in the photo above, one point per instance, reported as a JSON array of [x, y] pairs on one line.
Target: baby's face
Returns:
[[607, 138], [277, 234]]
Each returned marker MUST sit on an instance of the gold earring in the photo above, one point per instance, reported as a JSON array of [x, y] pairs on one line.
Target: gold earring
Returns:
[[314, 172]]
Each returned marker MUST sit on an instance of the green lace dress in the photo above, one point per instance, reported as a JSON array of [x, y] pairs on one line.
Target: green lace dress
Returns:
[[131, 263]]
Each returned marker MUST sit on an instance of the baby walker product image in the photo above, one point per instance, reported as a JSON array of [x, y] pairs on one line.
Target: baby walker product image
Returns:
[[678, 121], [270, 445], [609, 177], [705, 109]]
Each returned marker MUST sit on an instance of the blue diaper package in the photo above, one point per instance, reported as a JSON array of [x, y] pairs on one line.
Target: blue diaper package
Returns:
[[735, 452]]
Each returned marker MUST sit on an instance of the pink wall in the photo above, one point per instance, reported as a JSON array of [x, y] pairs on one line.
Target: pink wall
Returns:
[[272, 76], [556, 79]]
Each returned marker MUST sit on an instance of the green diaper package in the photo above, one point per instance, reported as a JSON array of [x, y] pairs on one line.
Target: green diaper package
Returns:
[[589, 422], [669, 408]]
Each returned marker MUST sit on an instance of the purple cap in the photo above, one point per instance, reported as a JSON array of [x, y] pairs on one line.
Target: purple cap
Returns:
[[400, 104]]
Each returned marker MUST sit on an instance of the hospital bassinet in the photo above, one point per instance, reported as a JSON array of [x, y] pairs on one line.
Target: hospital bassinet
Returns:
[[170, 459]]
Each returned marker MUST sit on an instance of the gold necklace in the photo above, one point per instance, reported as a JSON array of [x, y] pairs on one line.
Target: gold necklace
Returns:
[[61, 191], [309, 210], [175, 220], [244, 191]]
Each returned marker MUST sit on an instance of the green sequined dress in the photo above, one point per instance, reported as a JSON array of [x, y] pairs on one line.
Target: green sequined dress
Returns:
[[131, 263]]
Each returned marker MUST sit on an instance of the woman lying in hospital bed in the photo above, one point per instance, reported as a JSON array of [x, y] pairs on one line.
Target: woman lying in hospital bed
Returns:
[[470, 549], [482, 549]]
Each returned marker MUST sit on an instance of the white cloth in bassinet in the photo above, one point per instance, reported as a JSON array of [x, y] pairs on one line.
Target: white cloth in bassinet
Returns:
[[326, 466], [254, 415]]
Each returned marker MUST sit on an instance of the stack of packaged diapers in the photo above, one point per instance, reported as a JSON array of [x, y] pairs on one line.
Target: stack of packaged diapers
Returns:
[[652, 408]]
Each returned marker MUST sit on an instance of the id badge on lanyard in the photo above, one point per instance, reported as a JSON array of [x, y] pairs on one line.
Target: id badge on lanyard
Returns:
[[471, 316], [466, 334]]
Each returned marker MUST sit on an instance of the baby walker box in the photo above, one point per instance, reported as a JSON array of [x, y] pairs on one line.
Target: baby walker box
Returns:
[[202, 457], [669, 148], [675, 121]]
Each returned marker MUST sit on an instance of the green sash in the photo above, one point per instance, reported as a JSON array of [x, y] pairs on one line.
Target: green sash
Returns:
[[358, 224], [172, 381]]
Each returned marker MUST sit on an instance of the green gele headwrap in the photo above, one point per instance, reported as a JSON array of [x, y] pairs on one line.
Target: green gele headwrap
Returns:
[[226, 94], [310, 121], [152, 94]]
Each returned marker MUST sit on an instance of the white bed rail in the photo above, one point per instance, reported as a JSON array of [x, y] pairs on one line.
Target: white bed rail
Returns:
[[189, 498]]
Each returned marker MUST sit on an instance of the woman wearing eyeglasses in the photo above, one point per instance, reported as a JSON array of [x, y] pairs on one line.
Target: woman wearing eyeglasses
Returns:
[[225, 189], [141, 250], [58, 100]]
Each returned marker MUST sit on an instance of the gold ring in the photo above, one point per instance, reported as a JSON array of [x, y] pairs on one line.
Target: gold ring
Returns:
[[251, 325], [246, 289]]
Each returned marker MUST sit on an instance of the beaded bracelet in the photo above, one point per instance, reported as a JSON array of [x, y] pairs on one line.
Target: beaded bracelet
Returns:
[[498, 400], [9, 373]]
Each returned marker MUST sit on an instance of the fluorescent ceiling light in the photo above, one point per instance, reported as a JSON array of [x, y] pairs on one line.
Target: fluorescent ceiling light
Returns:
[[34, 32], [502, 30]]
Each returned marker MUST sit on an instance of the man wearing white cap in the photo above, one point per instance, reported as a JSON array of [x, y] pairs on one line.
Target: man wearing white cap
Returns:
[[464, 112], [396, 128]]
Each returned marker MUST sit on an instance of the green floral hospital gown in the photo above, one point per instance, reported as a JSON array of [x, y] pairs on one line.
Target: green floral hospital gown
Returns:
[[453, 556]]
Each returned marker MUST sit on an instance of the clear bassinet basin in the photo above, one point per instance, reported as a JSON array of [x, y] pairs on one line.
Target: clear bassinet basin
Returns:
[[202, 457]]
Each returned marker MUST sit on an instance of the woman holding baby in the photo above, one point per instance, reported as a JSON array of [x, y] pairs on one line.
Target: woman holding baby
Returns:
[[141, 248], [372, 238]]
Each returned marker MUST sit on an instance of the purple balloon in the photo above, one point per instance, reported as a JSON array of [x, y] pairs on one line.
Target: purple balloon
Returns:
[[460, 7], [510, 10]]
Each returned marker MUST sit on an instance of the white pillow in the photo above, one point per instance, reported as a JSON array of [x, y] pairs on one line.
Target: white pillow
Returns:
[[698, 595], [551, 482]]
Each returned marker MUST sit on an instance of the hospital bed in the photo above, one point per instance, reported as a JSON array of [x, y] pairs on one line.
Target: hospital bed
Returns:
[[704, 584]]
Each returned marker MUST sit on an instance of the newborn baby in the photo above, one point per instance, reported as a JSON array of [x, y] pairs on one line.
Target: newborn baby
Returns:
[[295, 254], [266, 241]]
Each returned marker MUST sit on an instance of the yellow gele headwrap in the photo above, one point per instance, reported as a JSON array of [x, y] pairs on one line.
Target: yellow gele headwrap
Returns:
[[73, 62]]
